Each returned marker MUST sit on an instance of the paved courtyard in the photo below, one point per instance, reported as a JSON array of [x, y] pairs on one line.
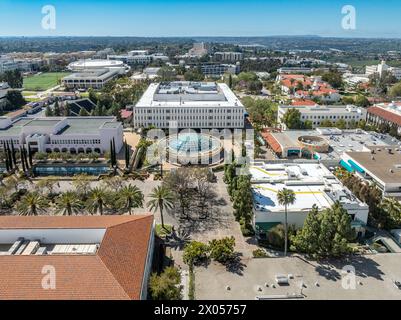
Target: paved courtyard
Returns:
[[374, 279]]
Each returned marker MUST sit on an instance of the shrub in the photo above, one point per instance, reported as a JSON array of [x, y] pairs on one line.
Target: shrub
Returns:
[[195, 252], [247, 230], [259, 253], [222, 250], [166, 286], [275, 237]]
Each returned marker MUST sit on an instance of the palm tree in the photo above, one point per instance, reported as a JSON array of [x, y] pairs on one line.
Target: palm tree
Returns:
[[130, 197], [68, 204], [286, 197], [161, 198], [97, 200], [32, 204]]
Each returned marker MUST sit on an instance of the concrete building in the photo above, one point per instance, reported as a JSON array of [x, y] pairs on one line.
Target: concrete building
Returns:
[[355, 79], [386, 114], [63, 134], [147, 74], [190, 105], [138, 52], [138, 57], [7, 64], [89, 64], [198, 50], [295, 70], [89, 257], [4, 88], [317, 114], [102, 54], [228, 56], [324, 144], [312, 183], [90, 78], [379, 164], [218, 70], [381, 68]]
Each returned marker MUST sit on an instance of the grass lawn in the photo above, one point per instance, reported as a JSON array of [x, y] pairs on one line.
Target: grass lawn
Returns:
[[43, 81]]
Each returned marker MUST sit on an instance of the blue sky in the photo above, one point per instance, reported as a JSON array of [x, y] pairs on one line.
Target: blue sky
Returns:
[[375, 18]]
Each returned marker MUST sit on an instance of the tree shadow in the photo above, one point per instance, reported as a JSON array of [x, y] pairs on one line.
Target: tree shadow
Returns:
[[364, 268], [235, 265]]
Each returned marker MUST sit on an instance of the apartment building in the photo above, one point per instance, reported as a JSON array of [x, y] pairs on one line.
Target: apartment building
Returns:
[[193, 105], [228, 56], [218, 70]]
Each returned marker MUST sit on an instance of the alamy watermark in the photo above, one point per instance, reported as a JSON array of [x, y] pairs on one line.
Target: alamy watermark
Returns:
[[49, 17], [348, 278], [49, 278], [349, 20]]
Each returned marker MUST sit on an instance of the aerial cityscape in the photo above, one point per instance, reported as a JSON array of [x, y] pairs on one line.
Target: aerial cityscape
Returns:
[[148, 160]]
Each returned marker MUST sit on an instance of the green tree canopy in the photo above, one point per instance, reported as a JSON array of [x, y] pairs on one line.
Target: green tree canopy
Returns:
[[325, 234], [395, 90], [292, 119], [222, 250], [166, 286]]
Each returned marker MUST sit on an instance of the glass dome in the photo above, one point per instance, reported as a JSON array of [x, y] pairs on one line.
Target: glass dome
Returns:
[[193, 142]]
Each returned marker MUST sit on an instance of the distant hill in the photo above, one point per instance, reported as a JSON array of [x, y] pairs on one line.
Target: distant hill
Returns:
[[309, 42]]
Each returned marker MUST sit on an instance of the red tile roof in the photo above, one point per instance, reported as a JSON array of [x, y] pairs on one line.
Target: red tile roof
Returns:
[[386, 115], [116, 272], [271, 141], [126, 114], [303, 102]]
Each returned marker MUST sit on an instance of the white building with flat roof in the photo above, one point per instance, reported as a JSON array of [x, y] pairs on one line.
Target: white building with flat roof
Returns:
[[96, 64], [317, 114], [189, 105], [379, 69], [91, 78], [63, 134], [228, 56], [312, 183]]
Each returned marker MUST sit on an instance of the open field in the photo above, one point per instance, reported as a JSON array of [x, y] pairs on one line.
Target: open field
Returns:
[[43, 81]]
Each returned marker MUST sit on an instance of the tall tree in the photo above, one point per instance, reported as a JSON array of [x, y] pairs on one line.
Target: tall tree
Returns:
[[161, 199], [292, 119], [32, 204], [166, 286], [57, 111], [285, 198], [307, 239], [130, 197], [97, 200], [68, 204]]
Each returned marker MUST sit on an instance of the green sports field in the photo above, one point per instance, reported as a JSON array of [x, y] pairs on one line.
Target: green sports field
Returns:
[[43, 81]]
